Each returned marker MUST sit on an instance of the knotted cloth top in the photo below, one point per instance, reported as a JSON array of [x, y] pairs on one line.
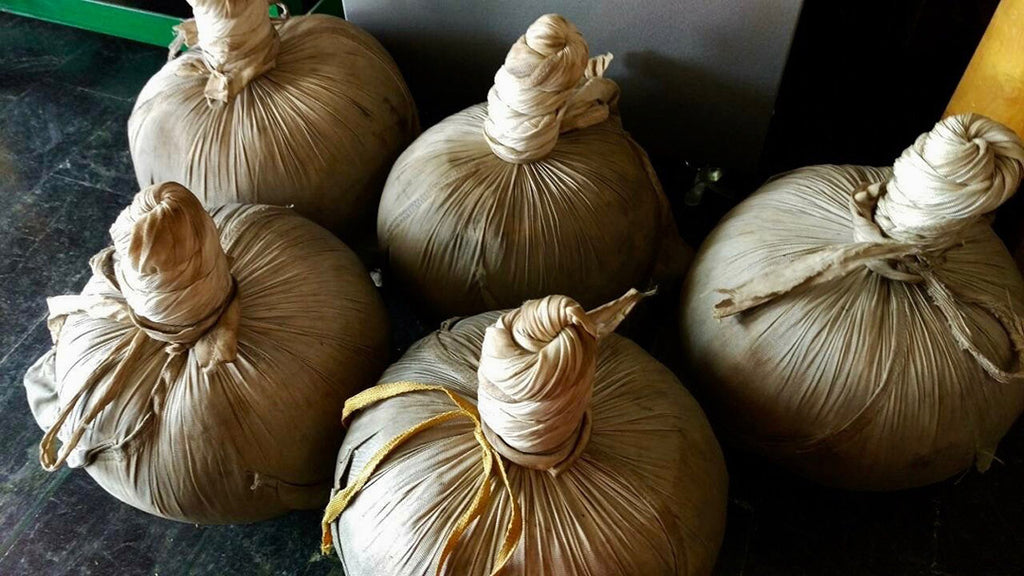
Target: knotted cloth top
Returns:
[[536, 376], [951, 177], [170, 266], [175, 287], [237, 39], [546, 86], [967, 166]]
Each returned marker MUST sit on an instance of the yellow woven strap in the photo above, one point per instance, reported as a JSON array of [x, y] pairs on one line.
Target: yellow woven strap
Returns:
[[489, 457]]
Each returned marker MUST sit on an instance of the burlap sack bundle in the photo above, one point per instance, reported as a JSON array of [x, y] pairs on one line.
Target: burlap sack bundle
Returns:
[[539, 191], [532, 441], [863, 325], [199, 374], [308, 111]]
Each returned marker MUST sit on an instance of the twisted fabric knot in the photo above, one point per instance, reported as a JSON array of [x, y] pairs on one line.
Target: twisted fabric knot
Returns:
[[536, 376], [175, 287], [546, 86], [169, 264], [963, 169], [237, 40], [966, 167]]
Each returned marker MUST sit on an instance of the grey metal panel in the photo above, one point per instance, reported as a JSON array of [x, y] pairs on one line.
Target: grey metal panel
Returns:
[[698, 78]]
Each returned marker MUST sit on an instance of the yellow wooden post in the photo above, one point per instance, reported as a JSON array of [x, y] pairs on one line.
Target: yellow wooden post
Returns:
[[993, 83]]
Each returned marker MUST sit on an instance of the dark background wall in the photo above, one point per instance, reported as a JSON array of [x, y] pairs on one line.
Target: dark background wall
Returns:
[[699, 78], [755, 87], [865, 77]]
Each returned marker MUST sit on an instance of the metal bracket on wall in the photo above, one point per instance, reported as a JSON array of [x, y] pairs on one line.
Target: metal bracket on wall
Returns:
[[130, 22]]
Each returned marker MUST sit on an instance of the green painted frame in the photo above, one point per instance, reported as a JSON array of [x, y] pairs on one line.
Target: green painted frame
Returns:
[[123, 21]]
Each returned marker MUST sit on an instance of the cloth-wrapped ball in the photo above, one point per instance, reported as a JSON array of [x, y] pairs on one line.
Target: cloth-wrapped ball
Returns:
[[533, 441], [199, 374], [862, 326], [305, 111], [539, 191]]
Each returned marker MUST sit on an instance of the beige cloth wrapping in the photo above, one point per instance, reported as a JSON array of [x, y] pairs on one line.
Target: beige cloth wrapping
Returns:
[[307, 111], [199, 374], [870, 333], [540, 191], [643, 491]]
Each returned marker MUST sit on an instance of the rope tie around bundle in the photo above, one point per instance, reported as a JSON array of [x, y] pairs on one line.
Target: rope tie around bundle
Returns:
[[175, 287], [237, 41], [490, 461], [952, 177], [547, 85], [537, 367]]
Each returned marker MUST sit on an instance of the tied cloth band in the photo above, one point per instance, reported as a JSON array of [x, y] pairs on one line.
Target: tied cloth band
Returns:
[[489, 458], [950, 179]]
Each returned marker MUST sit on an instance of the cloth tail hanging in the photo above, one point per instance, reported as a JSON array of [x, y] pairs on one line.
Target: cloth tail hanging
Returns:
[[950, 178], [172, 285]]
